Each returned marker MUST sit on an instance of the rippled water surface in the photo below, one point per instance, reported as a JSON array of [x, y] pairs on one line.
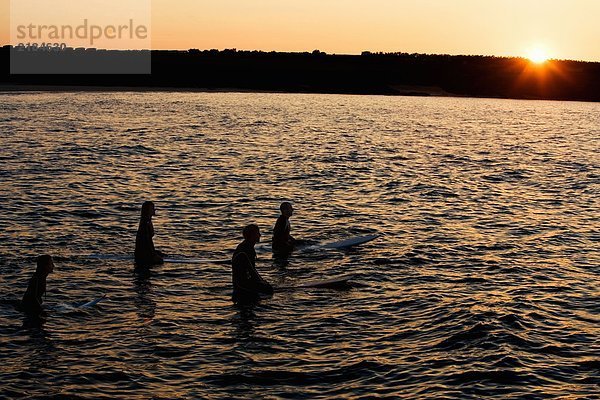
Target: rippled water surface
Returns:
[[485, 282]]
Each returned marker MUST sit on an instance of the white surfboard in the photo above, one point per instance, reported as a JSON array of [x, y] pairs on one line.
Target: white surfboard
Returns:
[[92, 303], [331, 283], [112, 257], [195, 261], [355, 241], [109, 257], [328, 283]]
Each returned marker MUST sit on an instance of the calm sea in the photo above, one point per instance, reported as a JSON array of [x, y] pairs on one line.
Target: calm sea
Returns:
[[485, 282]]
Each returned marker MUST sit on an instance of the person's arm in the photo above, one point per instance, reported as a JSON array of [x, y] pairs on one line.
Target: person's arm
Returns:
[[251, 279], [157, 256], [281, 236], [262, 284], [30, 297], [144, 250], [279, 230], [150, 227], [242, 277], [143, 241]]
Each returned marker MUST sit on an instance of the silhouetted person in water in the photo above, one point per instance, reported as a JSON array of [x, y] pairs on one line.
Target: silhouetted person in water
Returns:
[[283, 242], [248, 285], [33, 297], [145, 253]]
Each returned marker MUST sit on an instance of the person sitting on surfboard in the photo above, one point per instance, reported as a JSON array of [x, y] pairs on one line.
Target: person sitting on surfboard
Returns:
[[248, 285], [145, 253], [283, 242], [33, 297]]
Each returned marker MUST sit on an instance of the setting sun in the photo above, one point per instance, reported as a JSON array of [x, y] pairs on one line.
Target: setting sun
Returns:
[[538, 55]]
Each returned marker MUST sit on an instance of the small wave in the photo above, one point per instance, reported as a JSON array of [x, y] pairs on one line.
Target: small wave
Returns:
[[111, 376], [358, 371], [470, 280], [134, 149], [589, 365], [136, 130], [479, 332], [496, 377]]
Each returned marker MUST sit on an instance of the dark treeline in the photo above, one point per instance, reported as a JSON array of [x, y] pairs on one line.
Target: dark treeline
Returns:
[[369, 73]]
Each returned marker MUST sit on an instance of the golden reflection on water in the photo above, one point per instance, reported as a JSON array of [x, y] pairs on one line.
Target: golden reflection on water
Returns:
[[482, 284]]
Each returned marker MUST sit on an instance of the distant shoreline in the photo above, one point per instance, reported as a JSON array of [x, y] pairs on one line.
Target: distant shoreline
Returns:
[[386, 74]]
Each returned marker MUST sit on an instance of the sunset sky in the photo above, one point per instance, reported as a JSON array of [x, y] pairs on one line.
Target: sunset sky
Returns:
[[557, 28]]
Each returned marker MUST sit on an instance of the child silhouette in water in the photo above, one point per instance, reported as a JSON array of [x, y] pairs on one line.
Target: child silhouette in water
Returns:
[[34, 295], [283, 242], [145, 253]]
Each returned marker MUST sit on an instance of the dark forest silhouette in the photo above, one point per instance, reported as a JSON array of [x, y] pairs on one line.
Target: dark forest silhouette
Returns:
[[317, 72]]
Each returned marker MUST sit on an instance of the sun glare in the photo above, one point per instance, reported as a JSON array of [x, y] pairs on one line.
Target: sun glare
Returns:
[[538, 55]]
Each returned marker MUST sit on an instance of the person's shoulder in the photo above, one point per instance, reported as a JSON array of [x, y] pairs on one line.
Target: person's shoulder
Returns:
[[280, 221], [241, 248]]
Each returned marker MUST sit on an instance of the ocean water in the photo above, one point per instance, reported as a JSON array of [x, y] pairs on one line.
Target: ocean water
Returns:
[[485, 282]]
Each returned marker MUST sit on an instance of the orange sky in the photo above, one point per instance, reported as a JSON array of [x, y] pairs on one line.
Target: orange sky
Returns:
[[565, 28]]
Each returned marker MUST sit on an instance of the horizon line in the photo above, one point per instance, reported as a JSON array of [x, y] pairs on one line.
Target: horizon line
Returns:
[[371, 52]]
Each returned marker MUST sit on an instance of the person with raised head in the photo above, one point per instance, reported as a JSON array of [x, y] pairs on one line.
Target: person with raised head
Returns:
[[145, 253], [34, 295], [283, 242], [248, 285]]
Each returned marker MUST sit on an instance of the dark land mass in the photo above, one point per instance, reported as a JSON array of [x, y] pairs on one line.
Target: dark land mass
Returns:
[[316, 72]]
